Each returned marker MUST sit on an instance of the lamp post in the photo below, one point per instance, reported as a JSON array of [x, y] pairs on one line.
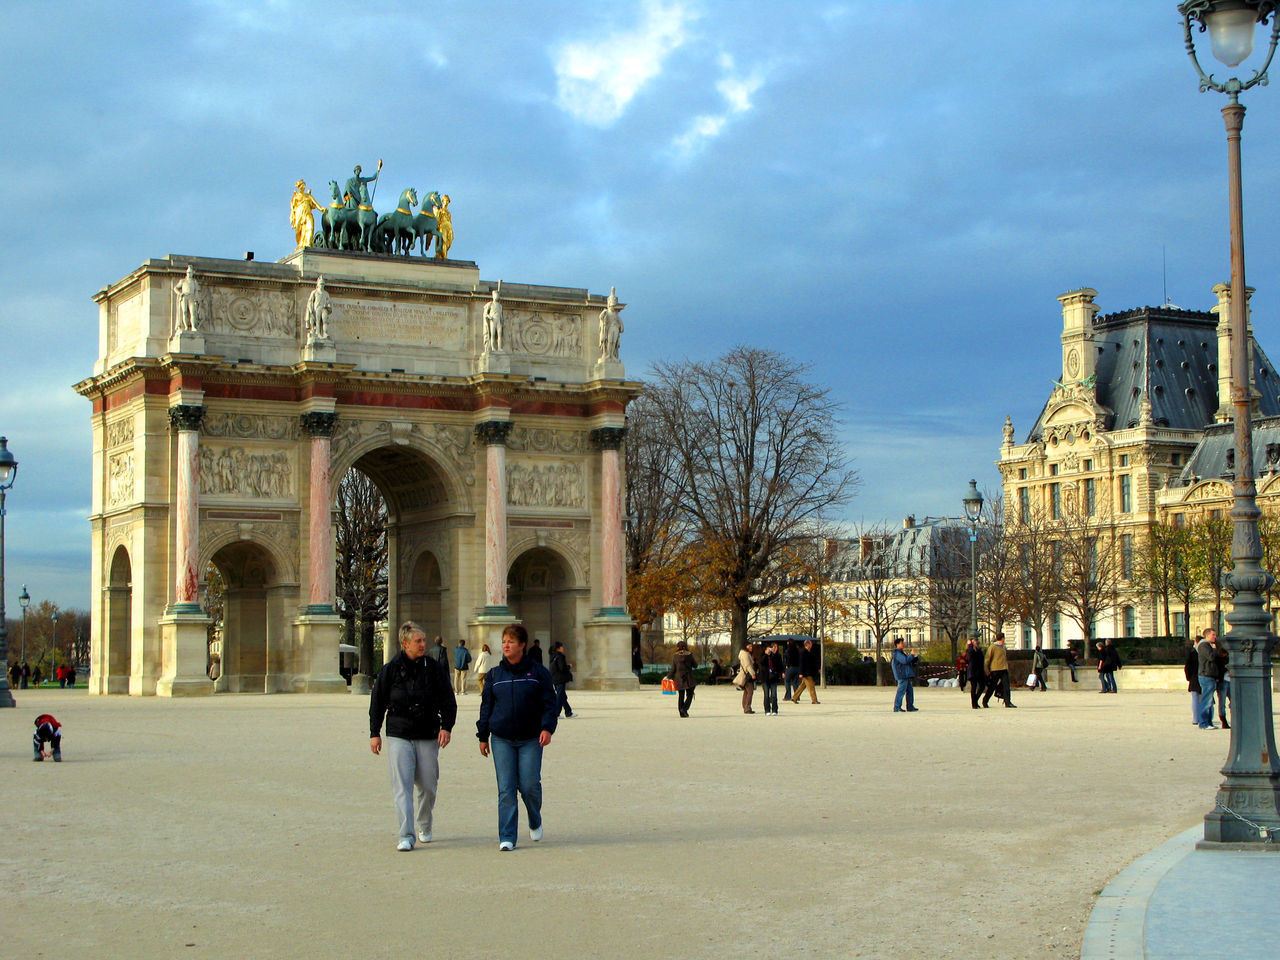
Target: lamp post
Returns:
[[972, 501], [8, 470], [1248, 799], [24, 600]]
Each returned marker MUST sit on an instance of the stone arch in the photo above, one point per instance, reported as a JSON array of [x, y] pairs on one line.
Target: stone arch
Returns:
[[544, 593], [255, 638], [213, 538], [452, 473], [423, 593], [117, 652], [578, 563]]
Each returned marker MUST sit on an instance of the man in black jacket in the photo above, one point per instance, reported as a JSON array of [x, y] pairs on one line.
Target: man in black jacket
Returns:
[[561, 674], [810, 670], [414, 696]]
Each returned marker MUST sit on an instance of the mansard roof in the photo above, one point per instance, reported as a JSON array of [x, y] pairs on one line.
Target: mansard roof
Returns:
[[1214, 456], [1174, 354], [923, 548]]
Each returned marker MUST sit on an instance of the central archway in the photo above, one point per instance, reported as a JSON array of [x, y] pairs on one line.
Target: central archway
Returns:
[[542, 594], [253, 619]]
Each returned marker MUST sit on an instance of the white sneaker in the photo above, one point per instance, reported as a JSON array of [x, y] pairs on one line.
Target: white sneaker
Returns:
[[506, 846], [405, 844], [535, 834], [424, 836]]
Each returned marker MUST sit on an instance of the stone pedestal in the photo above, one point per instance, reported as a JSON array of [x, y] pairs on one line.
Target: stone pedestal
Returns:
[[320, 351], [487, 628], [493, 363], [184, 655], [361, 685], [187, 341], [609, 370], [316, 638], [608, 654]]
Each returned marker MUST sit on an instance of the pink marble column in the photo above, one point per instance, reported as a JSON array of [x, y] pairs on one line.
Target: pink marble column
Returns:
[[613, 575], [494, 434], [320, 545], [185, 419]]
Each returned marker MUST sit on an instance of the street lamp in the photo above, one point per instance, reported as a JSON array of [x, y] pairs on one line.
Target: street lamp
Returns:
[[53, 642], [1248, 800], [8, 471], [972, 501], [24, 600]]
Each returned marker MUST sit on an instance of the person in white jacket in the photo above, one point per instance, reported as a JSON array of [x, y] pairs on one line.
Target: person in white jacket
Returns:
[[482, 665]]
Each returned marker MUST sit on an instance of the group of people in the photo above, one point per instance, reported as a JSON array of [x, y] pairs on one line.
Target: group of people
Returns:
[[23, 676], [795, 667], [987, 674], [1208, 675], [519, 709]]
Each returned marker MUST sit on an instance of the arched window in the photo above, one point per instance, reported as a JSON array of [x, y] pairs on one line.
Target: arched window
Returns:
[[1130, 622]]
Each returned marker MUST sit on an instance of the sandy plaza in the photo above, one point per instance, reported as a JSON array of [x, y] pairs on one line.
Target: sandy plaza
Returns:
[[259, 826]]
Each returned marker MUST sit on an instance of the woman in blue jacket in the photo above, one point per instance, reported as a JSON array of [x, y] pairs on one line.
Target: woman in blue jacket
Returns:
[[518, 711]]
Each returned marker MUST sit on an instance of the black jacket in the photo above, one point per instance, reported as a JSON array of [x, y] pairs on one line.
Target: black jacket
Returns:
[[560, 672], [1191, 670], [772, 667], [976, 669], [414, 697], [518, 702], [810, 662]]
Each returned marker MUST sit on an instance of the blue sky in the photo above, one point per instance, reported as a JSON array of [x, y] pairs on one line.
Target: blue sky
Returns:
[[895, 192]]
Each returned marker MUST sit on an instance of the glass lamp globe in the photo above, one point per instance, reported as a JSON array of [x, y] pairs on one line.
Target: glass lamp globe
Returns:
[[1231, 29]]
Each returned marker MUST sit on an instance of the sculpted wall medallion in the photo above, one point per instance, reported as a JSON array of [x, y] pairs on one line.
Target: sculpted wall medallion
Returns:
[[245, 471], [557, 335], [120, 478], [247, 426], [557, 483], [262, 313], [545, 440]]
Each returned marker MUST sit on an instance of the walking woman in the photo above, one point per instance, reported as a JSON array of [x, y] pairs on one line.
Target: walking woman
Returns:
[[415, 697], [483, 663], [772, 673], [682, 664], [517, 718]]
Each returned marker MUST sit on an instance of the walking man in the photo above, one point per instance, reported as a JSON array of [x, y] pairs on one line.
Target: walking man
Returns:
[[1210, 674], [997, 664], [810, 670], [461, 661], [977, 675], [561, 674], [904, 671], [792, 675]]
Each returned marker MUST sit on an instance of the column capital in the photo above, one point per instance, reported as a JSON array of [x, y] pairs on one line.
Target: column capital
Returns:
[[608, 438], [186, 416], [318, 423], [493, 432]]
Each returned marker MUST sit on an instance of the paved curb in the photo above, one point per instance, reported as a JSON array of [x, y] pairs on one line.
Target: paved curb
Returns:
[[1117, 926]]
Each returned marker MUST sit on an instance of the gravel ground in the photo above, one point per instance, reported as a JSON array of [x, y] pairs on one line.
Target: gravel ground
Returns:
[[261, 826]]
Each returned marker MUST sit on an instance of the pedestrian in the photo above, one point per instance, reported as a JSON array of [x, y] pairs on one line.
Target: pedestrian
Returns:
[[24, 673], [517, 719], [1110, 664], [682, 665], [37, 676], [637, 661], [440, 655], [904, 671], [810, 670], [772, 672], [977, 675], [15, 673], [1209, 672], [535, 652], [962, 667], [483, 663], [1102, 666], [1191, 670], [746, 678], [791, 660], [561, 674], [1070, 659], [461, 661], [997, 667], [1039, 666], [1224, 684], [71, 676], [48, 730], [414, 697]]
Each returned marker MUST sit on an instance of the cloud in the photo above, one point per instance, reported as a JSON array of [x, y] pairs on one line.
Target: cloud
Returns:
[[597, 79], [737, 91]]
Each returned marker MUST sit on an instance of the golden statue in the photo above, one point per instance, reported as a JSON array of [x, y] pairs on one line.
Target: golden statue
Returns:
[[444, 224], [304, 225]]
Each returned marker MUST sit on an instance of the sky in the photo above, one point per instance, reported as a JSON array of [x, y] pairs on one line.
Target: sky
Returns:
[[894, 192]]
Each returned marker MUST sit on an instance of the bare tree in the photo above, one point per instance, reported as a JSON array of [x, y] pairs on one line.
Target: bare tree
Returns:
[[1157, 558], [950, 586], [998, 569], [756, 460], [892, 591], [361, 560], [811, 603], [1090, 565], [1037, 557]]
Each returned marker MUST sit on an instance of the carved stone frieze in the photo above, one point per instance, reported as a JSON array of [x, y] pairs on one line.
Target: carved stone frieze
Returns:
[[119, 432], [545, 335], [260, 313], [120, 478], [547, 440], [258, 472], [551, 483], [248, 426]]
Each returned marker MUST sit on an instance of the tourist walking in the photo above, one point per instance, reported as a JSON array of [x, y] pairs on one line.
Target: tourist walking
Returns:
[[517, 719], [1071, 660], [1039, 666], [904, 671], [414, 697], [535, 652], [1191, 670], [440, 655], [561, 675], [1209, 673], [997, 667], [962, 667], [461, 661], [772, 672], [482, 664], [682, 666], [810, 670], [1108, 664], [791, 660], [1224, 684], [746, 678], [977, 675]]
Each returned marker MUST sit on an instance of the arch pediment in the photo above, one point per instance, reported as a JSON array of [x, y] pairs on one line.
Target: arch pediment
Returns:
[[1208, 490]]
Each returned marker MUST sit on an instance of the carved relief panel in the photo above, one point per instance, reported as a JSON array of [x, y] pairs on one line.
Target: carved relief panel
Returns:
[[120, 478], [259, 313], [245, 471], [545, 334], [546, 483]]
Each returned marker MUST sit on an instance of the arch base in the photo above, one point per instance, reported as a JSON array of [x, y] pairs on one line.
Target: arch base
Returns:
[[184, 651]]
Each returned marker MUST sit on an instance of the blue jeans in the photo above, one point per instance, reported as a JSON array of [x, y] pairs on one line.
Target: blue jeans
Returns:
[[791, 681], [563, 700], [518, 764], [1108, 681], [904, 688], [1224, 694], [1208, 687], [1072, 666]]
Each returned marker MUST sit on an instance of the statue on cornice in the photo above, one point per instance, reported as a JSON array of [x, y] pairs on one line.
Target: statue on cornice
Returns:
[[494, 334], [610, 327], [188, 291], [1008, 431], [304, 225], [319, 307]]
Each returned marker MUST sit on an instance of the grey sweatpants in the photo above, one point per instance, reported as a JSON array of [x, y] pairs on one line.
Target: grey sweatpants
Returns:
[[415, 769]]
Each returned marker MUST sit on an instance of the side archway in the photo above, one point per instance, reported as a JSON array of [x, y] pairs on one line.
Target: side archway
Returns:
[[543, 593], [119, 633]]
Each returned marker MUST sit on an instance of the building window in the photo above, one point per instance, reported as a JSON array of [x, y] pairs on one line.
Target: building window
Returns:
[[1090, 497], [1055, 547], [1180, 624], [1126, 495], [1088, 465], [1130, 623], [1124, 459], [1055, 631], [1053, 469], [1026, 636], [1024, 504], [1055, 500], [1179, 520], [1022, 473], [1175, 459], [1126, 556]]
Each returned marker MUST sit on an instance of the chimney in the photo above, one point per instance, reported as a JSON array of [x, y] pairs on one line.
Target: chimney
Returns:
[[829, 547], [864, 549], [908, 521], [1226, 411]]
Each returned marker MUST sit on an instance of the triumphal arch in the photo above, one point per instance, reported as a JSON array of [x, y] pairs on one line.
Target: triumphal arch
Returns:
[[231, 396]]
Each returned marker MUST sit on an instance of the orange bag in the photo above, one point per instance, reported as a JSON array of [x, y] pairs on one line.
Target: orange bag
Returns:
[[668, 685]]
